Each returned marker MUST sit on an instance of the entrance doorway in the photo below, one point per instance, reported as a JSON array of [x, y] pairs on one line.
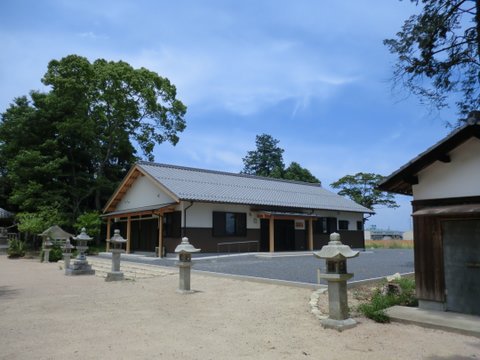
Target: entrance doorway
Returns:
[[461, 251], [286, 238]]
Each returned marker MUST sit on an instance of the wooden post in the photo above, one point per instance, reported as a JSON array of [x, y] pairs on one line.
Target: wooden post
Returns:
[[310, 234], [160, 235], [108, 235], [129, 227], [271, 233]]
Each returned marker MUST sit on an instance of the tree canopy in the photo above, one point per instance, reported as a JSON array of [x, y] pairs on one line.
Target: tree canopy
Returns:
[[295, 172], [72, 144], [362, 188], [267, 160], [438, 53]]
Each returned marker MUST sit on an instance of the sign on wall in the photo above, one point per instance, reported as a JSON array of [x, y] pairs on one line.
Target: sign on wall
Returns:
[[299, 224]]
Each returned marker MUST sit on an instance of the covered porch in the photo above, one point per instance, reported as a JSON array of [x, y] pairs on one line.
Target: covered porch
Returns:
[[143, 228], [283, 231]]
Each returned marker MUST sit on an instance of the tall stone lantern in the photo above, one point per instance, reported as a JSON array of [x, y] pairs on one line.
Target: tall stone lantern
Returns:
[[47, 246], [184, 251], [116, 249], [336, 255], [67, 254], [80, 265]]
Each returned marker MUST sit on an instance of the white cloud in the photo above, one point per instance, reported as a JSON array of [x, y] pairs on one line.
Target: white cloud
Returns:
[[92, 35]]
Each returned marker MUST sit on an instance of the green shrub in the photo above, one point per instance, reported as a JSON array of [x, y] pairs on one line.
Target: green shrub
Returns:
[[16, 249], [375, 309], [95, 249], [56, 253]]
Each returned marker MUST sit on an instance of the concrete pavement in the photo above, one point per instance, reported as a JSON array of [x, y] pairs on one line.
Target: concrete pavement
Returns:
[[444, 320]]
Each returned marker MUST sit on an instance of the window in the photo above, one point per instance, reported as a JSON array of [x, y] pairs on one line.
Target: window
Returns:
[[342, 224], [359, 225], [325, 225], [229, 224], [172, 224]]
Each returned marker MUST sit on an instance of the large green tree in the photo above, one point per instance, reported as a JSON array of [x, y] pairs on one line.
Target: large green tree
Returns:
[[438, 53], [73, 144], [267, 160], [362, 188], [296, 172]]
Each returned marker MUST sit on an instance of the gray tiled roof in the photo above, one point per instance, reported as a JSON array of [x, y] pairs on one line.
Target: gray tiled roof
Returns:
[[4, 214], [215, 186]]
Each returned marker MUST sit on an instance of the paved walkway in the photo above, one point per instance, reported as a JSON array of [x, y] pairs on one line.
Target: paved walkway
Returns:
[[444, 320], [290, 267]]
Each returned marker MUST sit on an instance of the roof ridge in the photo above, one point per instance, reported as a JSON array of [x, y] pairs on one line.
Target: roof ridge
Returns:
[[151, 163]]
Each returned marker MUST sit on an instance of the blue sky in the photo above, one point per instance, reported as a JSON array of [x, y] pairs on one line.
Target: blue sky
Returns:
[[314, 74]]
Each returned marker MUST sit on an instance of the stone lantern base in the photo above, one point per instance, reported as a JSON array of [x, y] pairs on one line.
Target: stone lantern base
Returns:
[[338, 324], [80, 267], [114, 276]]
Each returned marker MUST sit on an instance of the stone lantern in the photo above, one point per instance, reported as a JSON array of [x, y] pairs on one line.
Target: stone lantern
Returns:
[[47, 245], [116, 249], [80, 264], [67, 254], [184, 251], [336, 255]]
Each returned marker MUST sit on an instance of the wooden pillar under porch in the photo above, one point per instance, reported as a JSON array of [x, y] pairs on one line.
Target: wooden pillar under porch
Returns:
[[310, 234], [107, 247], [160, 235], [271, 232], [129, 227]]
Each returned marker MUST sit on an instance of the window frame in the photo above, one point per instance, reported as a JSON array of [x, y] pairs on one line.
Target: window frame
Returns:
[[343, 224], [229, 224]]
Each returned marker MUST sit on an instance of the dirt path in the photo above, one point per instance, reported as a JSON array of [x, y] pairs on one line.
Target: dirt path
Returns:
[[46, 315]]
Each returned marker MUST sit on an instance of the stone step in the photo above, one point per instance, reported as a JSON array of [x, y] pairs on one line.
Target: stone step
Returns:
[[130, 270]]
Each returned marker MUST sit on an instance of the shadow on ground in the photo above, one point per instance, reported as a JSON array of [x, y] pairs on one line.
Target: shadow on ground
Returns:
[[8, 292]]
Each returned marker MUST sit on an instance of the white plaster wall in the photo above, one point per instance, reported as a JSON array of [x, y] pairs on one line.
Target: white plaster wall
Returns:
[[143, 193], [200, 215], [351, 217], [460, 177]]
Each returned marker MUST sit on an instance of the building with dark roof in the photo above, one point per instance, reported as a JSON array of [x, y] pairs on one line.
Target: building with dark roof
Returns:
[[445, 184], [156, 204]]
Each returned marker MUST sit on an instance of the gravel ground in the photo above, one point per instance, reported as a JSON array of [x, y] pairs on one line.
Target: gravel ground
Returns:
[[47, 315], [299, 268]]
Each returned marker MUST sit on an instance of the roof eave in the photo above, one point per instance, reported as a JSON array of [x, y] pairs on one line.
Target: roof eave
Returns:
[[402, 180]]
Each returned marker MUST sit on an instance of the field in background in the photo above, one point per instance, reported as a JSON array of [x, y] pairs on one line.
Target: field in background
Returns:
[[389, 244]]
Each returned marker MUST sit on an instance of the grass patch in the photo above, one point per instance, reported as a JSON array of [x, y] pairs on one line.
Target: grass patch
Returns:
[[382, 299], [389, 244]]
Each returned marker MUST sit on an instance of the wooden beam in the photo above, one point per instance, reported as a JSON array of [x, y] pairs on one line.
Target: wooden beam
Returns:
[[310, 234], [412, 180], [108, 235], [271, 234], [444, 158], [129, 228]]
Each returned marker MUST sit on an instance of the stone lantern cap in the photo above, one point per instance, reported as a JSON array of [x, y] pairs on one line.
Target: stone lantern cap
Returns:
[[68, 246], [186, 247], [117, 238], [335, 250], [47, 242], [83, 236]]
